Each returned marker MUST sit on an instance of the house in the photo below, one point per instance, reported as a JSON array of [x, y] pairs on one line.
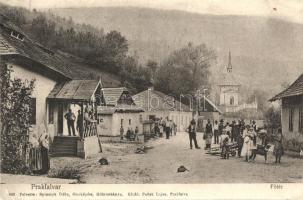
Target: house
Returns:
[[159, 105], [292, 110], [119, 110], [60, 83]]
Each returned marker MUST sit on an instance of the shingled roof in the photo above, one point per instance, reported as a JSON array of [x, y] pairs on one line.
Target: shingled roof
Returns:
[[112, 95], [294, 89], [75, 90]]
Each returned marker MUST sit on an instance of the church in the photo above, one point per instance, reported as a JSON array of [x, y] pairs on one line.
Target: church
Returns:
[[229, 92]]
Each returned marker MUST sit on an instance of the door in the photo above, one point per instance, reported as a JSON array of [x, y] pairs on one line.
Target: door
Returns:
[[60, 119]]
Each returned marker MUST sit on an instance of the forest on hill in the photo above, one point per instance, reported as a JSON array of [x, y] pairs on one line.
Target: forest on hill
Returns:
[[262, 47]]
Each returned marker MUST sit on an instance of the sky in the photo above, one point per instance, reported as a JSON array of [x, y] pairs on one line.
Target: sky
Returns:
[[291, 10]]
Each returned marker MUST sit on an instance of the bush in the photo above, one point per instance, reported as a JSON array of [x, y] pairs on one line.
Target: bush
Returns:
[[15, 115], [294, 144], [66, 173]]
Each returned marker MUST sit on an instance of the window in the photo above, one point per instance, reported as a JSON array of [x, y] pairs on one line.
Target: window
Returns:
[[301, 120], [32, 118], [121, 122], [140, 118], [232, 101], [152, 117], [291, 119], [129, 122], [51, 113], [17, 36]]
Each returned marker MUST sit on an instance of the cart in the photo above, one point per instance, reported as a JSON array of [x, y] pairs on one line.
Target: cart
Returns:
[[232, 148]]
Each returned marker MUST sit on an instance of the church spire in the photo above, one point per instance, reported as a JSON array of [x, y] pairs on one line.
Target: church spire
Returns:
[[229, 67]]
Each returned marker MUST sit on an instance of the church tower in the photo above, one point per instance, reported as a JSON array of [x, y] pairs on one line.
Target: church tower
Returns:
[[229, 89]]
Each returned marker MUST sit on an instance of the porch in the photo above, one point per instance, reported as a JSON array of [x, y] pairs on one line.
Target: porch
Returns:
[[75, 136]]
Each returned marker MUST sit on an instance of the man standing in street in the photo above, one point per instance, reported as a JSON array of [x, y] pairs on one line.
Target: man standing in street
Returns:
[[166, 126], [192, 134], [70, 118]]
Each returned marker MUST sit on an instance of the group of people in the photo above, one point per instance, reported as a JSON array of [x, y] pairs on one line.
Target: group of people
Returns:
[[130, 133], [81, 125], [246, 137], [167, 126]]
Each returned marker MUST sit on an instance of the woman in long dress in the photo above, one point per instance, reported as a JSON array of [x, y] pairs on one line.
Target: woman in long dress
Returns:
[[35, 160], [44, 143], [246, 149]]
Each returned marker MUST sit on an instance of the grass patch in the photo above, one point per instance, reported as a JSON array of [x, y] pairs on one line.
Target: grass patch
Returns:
[[66, 173]]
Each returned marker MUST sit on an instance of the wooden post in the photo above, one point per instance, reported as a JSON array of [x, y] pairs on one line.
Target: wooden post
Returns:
[[82, 121]]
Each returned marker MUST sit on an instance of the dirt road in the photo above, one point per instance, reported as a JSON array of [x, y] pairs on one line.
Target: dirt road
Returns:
[[159, 165]]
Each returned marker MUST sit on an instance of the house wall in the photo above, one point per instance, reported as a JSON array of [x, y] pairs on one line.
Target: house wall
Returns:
[[295, 134], [181, 119], [43, 86], [135, 121], [111, 124], [105, 124], [158, 114]]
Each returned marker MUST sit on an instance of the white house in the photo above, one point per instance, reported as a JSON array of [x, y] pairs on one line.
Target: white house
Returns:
[[159, 105], [292, 111], [119, 110]]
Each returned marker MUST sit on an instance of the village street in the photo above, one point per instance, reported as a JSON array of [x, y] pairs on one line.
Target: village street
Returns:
[[159, 165]]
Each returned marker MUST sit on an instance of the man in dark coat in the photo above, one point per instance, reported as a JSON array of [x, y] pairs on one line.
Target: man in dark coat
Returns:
[[192, 134], [221, 127], [80, 124], [239, 137], [233, 131], [70, 118]]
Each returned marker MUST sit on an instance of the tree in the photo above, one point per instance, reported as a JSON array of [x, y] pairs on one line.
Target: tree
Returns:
[[273, 117], [185, 70], [152, 67], [15, 116]]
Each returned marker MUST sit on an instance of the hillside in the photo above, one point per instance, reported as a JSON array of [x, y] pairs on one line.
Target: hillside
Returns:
[[266, 52]]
